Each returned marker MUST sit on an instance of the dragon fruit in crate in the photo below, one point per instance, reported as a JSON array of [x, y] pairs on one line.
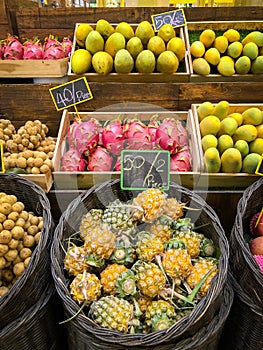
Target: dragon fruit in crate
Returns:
[[152, 127], [53, 49], [169, 135], [85, 136], [181, 161], [67, 44], [137, 135], [100, 160], [112, 136], [1, 50], [13, 48], [72, 160], [33, 50]]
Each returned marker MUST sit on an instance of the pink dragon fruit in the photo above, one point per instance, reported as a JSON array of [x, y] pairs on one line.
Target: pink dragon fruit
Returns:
[[1, 50], [69, 136], [53, 49], [167, 136], [112, 136], [72, 160], [13, 48], [152, 127], [182, 133], [33, 50], [100, 160], [67, 44], [137, 135], [181, 161], [85, 136]]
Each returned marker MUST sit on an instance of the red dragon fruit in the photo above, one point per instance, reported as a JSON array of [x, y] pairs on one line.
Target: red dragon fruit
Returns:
[[112, 136], [152, 127], [181, 161], [85, 136], [1, 50], [67, 44], [72, 160], [137, 135], [33, 50], [167, 136], [69, 135], [182, 133], [53, 49], [100, 160], [13, 48]]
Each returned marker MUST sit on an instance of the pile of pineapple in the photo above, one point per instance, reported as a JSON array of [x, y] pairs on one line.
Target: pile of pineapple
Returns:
[[139, 266]]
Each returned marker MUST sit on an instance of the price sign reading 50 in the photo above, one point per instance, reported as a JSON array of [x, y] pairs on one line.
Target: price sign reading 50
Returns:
[[175, 18], [145, 169], [71, 93]]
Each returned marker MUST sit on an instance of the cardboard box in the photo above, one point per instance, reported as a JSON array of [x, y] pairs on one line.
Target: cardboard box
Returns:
[[182, 74], [219, 28], [223, 180], [80, 180]]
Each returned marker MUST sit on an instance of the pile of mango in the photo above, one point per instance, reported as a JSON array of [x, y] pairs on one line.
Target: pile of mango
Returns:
[[232, 141], [122, 48], [227, 54]]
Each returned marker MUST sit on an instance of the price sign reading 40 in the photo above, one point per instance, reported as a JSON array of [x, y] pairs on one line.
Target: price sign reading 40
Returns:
[[71, 93], [145, 169], [175, 18]]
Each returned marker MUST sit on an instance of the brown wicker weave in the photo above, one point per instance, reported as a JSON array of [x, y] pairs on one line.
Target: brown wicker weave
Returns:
[[29, 287], [243, 328], [35, 329], [202, 314], [243, 265]]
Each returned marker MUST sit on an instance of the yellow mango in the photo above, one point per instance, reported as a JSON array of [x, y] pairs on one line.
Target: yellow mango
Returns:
[[206, 108], [201, 66], [231, 161], [226, 66], [255, 37], [245, 132], [252, 115], [212, 160], [209, 125], [250, 163], [221, 109]]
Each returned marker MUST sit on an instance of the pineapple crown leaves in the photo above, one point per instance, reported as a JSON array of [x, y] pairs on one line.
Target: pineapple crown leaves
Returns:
[[94, 261], [126, 284], [123, 255], [207, 247], [174, 243]]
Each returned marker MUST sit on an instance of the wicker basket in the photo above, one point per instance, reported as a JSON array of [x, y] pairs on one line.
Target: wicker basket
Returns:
[[243, 328], [35, 329], [243, 264], [28, 289], [203, 313]]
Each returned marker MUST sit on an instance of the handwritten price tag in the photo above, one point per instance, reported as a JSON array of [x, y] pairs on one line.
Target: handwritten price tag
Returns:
[[145, 169], [259, 169], [175, 18], [71, 93], [2, 166]]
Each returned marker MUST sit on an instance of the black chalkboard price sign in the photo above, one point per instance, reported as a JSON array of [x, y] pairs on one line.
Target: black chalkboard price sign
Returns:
[[145, 169], [2, 168], [176, 18], [71, 93]]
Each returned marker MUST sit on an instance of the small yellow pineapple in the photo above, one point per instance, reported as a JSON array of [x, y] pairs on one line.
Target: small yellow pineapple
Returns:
[[174, 208], [148, 246], [89, 221], [192, 241], [74, 261], [200, 268], [161, 228], [149, 205], [85, 288], [100, 241], [109, 276]]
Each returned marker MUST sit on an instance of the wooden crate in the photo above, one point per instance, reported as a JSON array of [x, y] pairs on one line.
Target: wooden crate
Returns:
[[45, 181], [33, 68], [179, 76], [81, 180], [218, 26], [223, 180]]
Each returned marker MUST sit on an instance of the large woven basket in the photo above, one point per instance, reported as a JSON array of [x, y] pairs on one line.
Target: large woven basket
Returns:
[[203, 313], [35, 329], [29, 287], [243, 264], [243, 328]]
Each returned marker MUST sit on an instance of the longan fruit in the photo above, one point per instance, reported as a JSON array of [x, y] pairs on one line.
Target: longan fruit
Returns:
[[21, 162], [19, 268], [5, 237], [8, 224], [32, 230], [35, 170], [3, 249], [18, 232], [44, 169], [14, 215], [20, 222], [28, 241], [26, 262], [2, 217], [25, 253], [2, 262], [38, 162], [5, 208], [37, 237], [30, 162], [11, 255], [3, 290], [18, 206], [13, 244], [34, 220], [20, 246], [17, 260], [7, 275], [24, 215]]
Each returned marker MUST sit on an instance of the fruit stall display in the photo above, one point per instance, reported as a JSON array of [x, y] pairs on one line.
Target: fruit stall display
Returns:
[[88, 147], [133, 267], [230, 137], [33, 58], [129, 52], [221, 50]]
